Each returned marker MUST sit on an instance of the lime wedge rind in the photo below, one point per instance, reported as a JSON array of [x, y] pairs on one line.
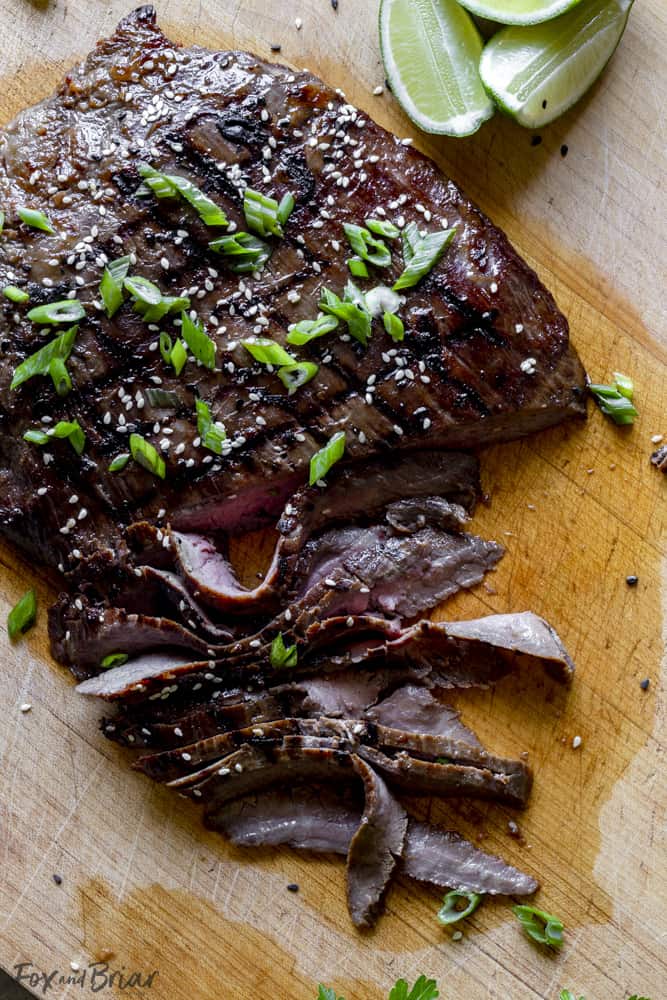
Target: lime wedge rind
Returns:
[[431, 51], [519, 12], [553, 63]]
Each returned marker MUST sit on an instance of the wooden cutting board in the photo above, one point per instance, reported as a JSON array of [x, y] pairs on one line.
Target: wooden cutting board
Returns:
[[579, 508]]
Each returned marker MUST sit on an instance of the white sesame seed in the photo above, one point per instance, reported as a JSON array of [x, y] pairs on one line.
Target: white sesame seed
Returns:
[[26, 707], [298, 23], [518, 327], [378, 90], [576, 742]]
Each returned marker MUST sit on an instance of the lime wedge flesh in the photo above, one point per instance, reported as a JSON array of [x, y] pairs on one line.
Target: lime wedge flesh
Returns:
[[431, 51], [518, 11], [537, 73]]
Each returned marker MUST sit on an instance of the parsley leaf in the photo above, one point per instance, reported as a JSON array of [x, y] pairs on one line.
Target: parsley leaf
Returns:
[[424, 989], [326, 993]]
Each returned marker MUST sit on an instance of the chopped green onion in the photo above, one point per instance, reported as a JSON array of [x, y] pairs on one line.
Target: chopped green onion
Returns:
[[149, 301], [111, 285], [366, 246], [243, 252], [22, 616], [2, 220], [326, 993], [261, 213], [40, 362], [393, 325], [198, 341], [15, 294], [451, 912], [357, 267], [285, 208], [145, 454], [624, 385], [114, 660], [268, 352], [64, 311], [35, 219], [172, 185], [358, 319], [421, 257], [310, 329], [119, 462], [173, 354], [70, 430], [614, 403], [282, 655], [212, 432], [162, 398], [142, 290], [60, 377], [410, 237], [169, 304], [296, 375], [568, 995], [540, 926], [382, 299], [383, 228], [323, 459]]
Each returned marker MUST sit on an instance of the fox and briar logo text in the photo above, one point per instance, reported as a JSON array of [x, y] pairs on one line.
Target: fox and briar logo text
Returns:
[[97, 976]]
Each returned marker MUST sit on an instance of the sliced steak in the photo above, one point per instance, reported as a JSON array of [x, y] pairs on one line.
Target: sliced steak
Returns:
[[415, 709]]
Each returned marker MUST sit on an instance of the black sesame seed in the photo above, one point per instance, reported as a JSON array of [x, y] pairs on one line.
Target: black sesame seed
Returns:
[[276, 48], [544, 104], [387, 86], [564, 150], [58, 879], [334, 4], [535, 140], [632, 580], [644, 684], [293, 887]]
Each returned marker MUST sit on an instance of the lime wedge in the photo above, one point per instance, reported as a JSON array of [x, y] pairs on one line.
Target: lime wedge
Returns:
[[518, 11], [536, 73], [431, 51]]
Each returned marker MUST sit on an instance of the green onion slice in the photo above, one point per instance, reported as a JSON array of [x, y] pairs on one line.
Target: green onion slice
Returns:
[[282, 655], [35, 219], [367, 246], [142, 290], [114, 660], [323, 459], [452, 911], [624, 384], [383, 228], [540, 926], [22, 616], [60, 377], [64, 311], [410, 237], [146, 455], [212, 432], [309, 329], [15, 294], [64, 429], [357, 318], [119, 462], [198, 341], [111, 285], [163, 399], [357, 267], [263, 214], [172, 185], [615, 404], [2, 220], [268, 352], [285, 208], [296, 375], [393, 325], [422, 256], [40, 362], [173, 354], [243, 252]]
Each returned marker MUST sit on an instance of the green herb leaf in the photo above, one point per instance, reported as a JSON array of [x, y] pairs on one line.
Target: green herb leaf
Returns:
[[357, 267], [119, 462], [383, 228], [282, 655], [198, 341], [22, 616], [540, 926], [285, 208], [261, 213], [393, 325], [145, 454], [451, 912], [421, 255], [114, 660], [172, 185], [296, 375], [15, 294], [614, 403], [64, 429], [65, 311], [568, 995], [624, 385], [424, 989], [310, 329], [366, 246], [323, 459], [268, 352], [357, 318], [35, 219], [212, 432], [243, 252], [40, 362], [111, 285], [326, 993]]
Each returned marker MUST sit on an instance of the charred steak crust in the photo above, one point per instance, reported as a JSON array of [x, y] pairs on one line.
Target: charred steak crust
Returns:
[[224, 120]]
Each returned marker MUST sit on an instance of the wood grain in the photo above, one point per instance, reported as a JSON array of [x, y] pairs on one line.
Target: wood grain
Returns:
[[578, 508]]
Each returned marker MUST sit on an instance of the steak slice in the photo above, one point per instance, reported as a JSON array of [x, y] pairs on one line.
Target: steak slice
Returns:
[[486, 354]]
